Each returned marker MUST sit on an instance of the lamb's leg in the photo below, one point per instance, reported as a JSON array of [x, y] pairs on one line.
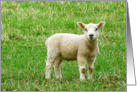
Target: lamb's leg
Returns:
[[52, 55], [49, 65], [57, 69], [82, 68], [90, 67]]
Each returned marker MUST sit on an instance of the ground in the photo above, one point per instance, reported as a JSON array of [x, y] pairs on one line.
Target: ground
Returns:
[[25, 26]]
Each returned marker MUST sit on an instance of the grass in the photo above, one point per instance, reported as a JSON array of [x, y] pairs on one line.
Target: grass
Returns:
[[25, 25]]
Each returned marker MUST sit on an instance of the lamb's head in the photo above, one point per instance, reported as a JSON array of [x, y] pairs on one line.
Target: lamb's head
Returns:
[[91, 30]]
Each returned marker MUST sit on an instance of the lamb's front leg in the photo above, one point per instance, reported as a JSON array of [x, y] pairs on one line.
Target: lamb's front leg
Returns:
[[82, 68], [90, 62]]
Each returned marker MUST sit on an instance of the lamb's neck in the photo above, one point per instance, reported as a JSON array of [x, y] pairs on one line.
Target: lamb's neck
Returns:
[[93, 44]]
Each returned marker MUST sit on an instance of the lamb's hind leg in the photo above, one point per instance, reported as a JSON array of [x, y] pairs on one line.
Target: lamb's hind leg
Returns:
[[49, 65], [52, 55], [57, 65]]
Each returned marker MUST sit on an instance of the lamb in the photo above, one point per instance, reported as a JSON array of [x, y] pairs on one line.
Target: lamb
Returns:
[[66, 46]]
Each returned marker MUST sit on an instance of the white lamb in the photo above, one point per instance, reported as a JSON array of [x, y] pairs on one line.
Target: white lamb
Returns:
[[65, 46]]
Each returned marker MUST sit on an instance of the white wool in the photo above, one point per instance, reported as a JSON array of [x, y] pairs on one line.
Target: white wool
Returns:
[[66, 46]]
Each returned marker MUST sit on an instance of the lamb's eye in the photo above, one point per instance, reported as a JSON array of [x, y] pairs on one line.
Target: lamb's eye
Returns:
[[96, 29], [86, 29]]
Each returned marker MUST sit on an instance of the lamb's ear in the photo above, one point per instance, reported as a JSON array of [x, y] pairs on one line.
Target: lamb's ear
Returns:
[[82, 25], [101, 24]]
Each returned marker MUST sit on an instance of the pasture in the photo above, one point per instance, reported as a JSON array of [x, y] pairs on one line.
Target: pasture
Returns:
[[25, 26]]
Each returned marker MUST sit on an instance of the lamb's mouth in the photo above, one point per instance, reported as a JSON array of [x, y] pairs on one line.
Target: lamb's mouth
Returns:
[[91, 38]]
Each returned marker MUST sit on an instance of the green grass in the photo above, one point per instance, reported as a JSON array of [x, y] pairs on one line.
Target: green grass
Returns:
[[25, 26]]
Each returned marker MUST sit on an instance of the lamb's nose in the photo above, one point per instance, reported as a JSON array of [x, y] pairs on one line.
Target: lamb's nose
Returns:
[[91, 35]]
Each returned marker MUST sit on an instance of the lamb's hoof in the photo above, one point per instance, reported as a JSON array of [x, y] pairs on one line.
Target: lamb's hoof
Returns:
[[89, 78], [82, 80], [58, 78], [47, 78]]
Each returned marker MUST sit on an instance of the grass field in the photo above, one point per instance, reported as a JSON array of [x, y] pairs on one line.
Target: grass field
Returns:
[[25, 26]]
